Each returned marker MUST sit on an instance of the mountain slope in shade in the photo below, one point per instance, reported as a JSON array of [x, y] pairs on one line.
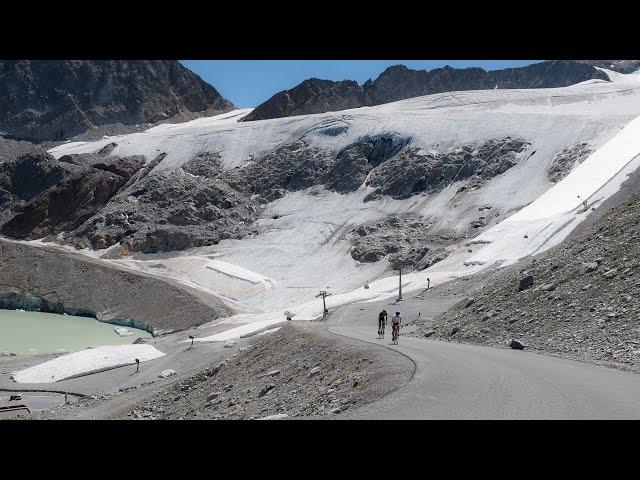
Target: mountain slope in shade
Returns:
[[55, 100], [399, 82]]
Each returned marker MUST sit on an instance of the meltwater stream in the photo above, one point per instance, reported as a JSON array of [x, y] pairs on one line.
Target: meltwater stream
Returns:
[[30, 333]]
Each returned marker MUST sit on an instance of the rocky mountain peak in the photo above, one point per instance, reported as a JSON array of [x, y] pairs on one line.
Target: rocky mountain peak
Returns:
[[398, 82], [59, 99]]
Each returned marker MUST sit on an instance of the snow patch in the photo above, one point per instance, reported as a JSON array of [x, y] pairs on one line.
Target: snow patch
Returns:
[[85, 362]]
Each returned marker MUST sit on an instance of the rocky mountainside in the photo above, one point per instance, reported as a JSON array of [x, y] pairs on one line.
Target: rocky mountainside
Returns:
[[73, 199], [55, 100], [620, 66], [98, 200], [399, 82], [41, 195], [25, 177], [311, 96], [580, 299]]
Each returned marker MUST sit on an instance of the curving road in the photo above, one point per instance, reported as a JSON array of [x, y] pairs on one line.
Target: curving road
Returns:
[[459, 381]]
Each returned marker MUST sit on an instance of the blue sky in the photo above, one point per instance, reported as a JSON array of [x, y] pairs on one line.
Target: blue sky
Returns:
[[247, 83]]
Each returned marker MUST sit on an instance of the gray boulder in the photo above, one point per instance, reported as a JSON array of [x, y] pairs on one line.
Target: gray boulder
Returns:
[[526, 282], [588, 267]]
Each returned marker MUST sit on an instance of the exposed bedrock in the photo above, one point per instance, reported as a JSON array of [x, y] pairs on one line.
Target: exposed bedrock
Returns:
[[73, 199], [566, 160], [104, 200], [28, 175], [169, 211], [404, 241], [58, 99], [354, 162], [311, 96], [413, 171], [289, 168]]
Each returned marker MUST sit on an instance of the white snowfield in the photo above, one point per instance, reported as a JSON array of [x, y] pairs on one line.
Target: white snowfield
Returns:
[[306, 247], [548, 220], [223, 278], [84, 362]]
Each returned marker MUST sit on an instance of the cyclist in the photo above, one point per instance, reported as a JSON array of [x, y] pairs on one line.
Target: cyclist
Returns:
[[396, 325], [382, 322]]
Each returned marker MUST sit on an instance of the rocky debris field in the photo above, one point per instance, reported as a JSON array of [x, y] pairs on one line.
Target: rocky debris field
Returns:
[[12, 149], [404, 241], [580, 300], [298, 371]]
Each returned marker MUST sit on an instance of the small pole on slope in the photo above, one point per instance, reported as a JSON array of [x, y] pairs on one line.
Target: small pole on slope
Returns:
[[400, 284], [66, 398], [324, 294], [137, 365], [584, 203], [191, 337]]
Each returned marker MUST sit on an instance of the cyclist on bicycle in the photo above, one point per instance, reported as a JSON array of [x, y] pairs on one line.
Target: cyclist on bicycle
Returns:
[[396, 325], [382, 322]]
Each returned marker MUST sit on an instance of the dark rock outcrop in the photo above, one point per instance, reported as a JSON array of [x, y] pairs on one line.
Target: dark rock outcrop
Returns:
[[311, 96], [412, 172], [72, 200], [566, 159], [289, 168], [29, 175], [405, 242], [168, 211], [353, 163], [399, 82], [58, 99]]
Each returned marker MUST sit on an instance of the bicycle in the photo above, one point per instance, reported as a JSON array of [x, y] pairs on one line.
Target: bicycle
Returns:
[[395, 333], [381, 326]]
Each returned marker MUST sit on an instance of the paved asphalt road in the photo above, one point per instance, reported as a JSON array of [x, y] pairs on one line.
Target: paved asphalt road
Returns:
[[458, 381]]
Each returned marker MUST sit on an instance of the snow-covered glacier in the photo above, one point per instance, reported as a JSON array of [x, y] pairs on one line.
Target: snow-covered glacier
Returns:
[[303, 245]]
